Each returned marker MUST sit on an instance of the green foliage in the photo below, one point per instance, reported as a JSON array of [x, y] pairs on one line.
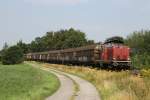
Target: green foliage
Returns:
[[141, 60], [60, 40], [0, 58], [74, 39], [140, 44], [37, 45], [24, 82], [5, 46], [12, 55], [23, 46], [139, 41], [0, 55], [89, 42]]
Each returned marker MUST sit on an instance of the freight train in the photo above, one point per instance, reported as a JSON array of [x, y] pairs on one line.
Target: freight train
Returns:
[[107, 55]]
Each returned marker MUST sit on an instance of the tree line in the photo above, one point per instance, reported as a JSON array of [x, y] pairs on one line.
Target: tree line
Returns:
[[59, 40]]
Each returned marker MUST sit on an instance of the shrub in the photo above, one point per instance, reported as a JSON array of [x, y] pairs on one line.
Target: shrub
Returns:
[[0, 58], [141, 60], [12, 55], [145, 73]]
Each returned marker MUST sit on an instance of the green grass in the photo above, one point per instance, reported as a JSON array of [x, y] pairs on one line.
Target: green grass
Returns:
[[110, 84], [23, 82]]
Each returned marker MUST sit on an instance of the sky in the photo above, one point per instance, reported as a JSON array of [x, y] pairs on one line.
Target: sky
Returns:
[[99, 19]]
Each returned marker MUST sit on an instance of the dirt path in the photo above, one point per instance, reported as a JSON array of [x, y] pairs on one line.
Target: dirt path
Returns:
[[87, 91], [66, 89]]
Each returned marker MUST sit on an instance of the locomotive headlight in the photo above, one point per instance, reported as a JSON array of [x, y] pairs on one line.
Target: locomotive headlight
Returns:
[[114, 58], [128, 58]]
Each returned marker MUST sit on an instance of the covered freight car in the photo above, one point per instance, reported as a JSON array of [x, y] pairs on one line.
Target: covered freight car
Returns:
[[85, 55]]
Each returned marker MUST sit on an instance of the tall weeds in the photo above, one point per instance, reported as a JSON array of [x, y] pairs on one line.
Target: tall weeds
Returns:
[[110, 84]]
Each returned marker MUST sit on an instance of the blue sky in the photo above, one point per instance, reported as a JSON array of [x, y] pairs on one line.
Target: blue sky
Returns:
[[99, 19]]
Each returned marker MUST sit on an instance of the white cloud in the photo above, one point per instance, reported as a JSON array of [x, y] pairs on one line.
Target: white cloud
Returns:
[[56, 2]]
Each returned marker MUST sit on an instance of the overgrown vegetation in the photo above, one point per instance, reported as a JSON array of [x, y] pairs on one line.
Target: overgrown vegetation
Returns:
[[141, 60], [0, 57], [110, 84], [140, 43], [12, 55], [23, 82]]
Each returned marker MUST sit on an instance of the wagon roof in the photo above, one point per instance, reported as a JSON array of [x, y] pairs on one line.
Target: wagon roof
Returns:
[[89, 47]]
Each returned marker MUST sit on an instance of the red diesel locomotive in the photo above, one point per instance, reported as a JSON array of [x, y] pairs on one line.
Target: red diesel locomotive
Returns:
[[115, 55]]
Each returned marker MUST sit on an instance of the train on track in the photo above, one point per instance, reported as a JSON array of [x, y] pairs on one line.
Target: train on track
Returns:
[[107, 55]]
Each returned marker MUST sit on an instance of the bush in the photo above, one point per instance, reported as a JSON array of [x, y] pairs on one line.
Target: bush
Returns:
[[12, 55], [141, 60], [0, 58]]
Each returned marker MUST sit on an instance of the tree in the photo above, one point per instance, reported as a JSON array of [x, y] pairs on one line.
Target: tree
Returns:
[[61, 39], [23, 46], [139, 42], [12, 55], [75, 38], [0, 55], [48, 41], [37, 45], [89, 42], [5, 46]]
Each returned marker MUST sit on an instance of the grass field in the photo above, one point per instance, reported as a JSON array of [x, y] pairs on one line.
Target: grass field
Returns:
[[23, 82], [110, 84]]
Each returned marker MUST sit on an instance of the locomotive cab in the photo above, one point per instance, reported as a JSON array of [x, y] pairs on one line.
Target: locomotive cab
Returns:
[[116, 55]]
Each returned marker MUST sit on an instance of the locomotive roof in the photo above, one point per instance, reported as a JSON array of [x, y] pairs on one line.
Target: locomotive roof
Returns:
[[115, 39]]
